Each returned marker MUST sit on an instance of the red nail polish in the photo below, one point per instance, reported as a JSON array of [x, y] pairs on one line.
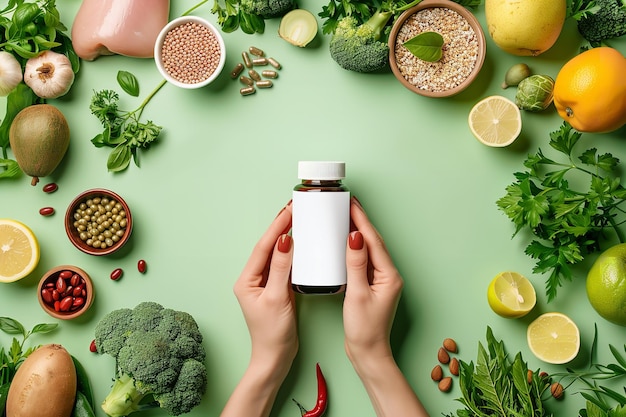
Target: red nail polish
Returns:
[[284, 243], [356, 240]]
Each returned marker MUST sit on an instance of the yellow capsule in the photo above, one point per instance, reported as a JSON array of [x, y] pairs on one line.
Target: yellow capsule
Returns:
[[246, 59], [256, 51], [259, 61], [274, 63], [264, 84], [236, 71], [246, 91], [254, 75], [269, 74], [246, 80]]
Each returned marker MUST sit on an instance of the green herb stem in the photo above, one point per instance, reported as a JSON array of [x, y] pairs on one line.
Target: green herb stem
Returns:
[[139, 110], [194, 7]]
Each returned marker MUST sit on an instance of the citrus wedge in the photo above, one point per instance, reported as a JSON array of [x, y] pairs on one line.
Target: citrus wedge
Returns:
[[19, 250], [511, 295], [553, 338], [495, 121]]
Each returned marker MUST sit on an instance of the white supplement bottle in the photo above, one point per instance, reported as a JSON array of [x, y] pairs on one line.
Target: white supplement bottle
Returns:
[[320, 228]]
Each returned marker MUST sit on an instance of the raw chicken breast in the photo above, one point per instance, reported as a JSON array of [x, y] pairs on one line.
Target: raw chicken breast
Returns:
[[124, 27]]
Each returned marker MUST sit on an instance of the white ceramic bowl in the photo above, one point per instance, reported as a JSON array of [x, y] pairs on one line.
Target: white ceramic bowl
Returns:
[[158, 56]]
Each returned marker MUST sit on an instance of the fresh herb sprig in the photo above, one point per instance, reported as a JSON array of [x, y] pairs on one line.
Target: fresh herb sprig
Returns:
[[11, 358], [26, 30], [500, 386], [123, 130], [569, 223]]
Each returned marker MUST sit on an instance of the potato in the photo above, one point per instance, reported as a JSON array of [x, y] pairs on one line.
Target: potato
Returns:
[[44, 385]]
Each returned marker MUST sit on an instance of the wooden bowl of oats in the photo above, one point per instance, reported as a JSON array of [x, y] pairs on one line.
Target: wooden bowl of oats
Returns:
[[462, 53]]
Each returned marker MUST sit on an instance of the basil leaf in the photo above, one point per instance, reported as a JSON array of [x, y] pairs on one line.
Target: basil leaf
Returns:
[[426, 46], [18, 99], [11, 326], [44, 327], [119, 159], [128, 82], [9, 168]]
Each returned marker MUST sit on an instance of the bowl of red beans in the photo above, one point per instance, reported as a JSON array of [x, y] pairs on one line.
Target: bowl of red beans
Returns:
[[98, 222], [65, 292], [189, 52]]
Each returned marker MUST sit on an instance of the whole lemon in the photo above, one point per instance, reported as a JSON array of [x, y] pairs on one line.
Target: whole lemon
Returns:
[[590, 90], [606, 284], [525, 27]]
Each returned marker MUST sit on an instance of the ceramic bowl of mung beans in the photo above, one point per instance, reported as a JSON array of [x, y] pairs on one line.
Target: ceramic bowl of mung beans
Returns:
[[463, 49], [98, 222], [65, 292], [189, 52]]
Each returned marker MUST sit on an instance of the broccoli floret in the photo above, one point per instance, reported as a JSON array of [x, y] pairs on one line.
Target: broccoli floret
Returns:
[[267, 8], [159, 359], [606, 21]]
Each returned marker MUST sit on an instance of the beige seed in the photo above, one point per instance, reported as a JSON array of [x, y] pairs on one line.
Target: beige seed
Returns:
[[450, 345], [445, 384], [437, 373], [443, 356], [454, 366]]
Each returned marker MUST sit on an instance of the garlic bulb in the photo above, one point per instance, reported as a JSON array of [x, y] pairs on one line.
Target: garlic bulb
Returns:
[[49, 74], [10, 73]]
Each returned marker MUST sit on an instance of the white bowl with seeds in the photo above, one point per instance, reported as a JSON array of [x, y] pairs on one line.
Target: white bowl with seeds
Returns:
[[463, 49], [189, 52]]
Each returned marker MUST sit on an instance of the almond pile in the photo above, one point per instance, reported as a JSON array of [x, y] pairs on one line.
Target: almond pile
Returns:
[[443, 356]]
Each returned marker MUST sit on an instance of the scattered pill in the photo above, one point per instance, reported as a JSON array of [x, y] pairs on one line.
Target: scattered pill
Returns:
[[246, 80], [269, 74], [259, 62], [274, 63], [236, 71], [264, 84], [256, 51], [142, 266], [46, 211], [50, 188], [246, 91], [254, 75], [246, 59], [117, 274]]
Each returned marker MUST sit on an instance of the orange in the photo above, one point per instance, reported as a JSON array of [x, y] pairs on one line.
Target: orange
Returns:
[[590, 90]]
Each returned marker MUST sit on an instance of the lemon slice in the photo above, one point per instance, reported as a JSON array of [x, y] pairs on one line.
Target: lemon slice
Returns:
[[553, 338], [511, 295], [495, 121], [19, 250]]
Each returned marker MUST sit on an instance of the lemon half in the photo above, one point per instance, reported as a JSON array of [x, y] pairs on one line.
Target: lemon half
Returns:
[[553, 338], [19, 250], [511, 295], [495, 121]]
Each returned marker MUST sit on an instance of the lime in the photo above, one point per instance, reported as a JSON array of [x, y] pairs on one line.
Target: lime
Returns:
[[19, 250], [511, 295], [606, 281], [495, 121], [553, 338]]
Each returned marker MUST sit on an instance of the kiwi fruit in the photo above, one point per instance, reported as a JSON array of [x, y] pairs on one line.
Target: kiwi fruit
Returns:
[[39, 137]]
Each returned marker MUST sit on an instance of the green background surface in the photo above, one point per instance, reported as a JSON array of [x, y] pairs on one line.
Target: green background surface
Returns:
[[225, 165]]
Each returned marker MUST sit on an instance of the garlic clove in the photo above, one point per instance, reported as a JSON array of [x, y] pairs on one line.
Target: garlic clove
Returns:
[[10, 73], [49, 75]]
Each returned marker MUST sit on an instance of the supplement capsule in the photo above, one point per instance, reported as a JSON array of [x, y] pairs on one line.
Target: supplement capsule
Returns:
[[256, 51], [246, 80], [246, 91], [269, 74], [274, 63], [236, 71], [246, 59], [259, 62], [254, 75], [264, 84]]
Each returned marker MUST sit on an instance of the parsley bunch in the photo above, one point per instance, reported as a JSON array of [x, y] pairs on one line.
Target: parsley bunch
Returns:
[[568, 222]]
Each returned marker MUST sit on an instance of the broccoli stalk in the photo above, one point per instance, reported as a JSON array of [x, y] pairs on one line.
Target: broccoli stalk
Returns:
[[159, 359], [606, 20]]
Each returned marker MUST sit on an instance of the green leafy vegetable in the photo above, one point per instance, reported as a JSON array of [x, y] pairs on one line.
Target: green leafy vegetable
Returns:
[[568, 222], [426, 46], [12, 357], [123, 130], [500, 386]]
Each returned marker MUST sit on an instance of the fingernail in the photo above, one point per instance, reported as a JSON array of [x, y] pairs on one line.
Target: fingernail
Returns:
[[284, 243], [356, 240]]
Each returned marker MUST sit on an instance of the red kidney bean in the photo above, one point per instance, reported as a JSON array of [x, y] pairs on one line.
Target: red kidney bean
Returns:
[[92, 346], [75, 280], [46, 211], [55, 295], [65, 304], [57, 305], [61, 285], [47, 296], [78, 301], [50, 188], [117, 274], [142, 266], [66, 274], [77, 292]]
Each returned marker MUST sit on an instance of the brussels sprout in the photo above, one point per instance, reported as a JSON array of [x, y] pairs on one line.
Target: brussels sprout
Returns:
[[534, 93]]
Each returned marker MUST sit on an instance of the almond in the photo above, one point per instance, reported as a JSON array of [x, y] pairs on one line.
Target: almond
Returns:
[[445, 384], [454, 366], [556, 390], [443, 356], [437, 373], [450, 345]]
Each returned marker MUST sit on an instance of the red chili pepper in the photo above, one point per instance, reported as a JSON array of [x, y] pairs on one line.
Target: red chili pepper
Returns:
[[322, 397]]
